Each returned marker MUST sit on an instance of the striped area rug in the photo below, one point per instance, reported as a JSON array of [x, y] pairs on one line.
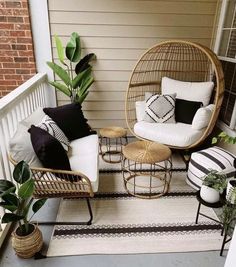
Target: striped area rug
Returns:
[[124, 224]]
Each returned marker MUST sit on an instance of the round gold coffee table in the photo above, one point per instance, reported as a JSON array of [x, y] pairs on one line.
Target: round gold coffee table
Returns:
[[146, 169], [111, 141]]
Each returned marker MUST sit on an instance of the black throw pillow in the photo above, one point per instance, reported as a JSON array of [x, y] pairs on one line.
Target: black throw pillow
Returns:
[[48, 149], [71, 120], [185, 110]]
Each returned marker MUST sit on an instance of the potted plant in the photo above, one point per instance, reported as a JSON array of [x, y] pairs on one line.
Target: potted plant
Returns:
[[16, 199], [213, 185], [75, 82]]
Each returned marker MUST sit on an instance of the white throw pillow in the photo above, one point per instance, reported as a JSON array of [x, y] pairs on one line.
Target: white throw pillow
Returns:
[[202, 117], [140, 110], [34, 118], [194, 91], [53, 129], [160, 108], [20, 147]]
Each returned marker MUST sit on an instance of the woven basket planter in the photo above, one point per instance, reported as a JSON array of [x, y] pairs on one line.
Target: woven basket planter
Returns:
[[26, 246]]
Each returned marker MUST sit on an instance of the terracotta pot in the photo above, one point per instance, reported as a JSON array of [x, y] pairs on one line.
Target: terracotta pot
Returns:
[[209, 194], [230, 187], [26, 246]]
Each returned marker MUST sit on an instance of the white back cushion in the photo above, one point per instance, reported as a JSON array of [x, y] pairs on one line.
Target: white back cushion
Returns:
[[194, 91], [140, 110]]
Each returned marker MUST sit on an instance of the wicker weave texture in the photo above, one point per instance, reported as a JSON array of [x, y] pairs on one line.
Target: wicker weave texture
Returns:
[[178, 60]]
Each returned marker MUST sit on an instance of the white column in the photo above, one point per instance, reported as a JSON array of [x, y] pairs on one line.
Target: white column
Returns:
[[42, 41]]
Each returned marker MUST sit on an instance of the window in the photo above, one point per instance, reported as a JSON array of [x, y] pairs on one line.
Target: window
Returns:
[[226, 50]]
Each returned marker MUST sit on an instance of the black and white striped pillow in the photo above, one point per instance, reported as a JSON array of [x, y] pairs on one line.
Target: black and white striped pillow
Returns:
[[52, 128], [160, 108]]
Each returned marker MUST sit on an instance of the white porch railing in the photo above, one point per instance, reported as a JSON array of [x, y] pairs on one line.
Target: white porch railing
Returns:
[[15, 107]]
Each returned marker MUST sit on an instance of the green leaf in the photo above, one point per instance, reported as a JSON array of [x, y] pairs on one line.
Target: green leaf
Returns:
[[214, 140], [83, 63], [73, 48], [77, 81], [11, 202], [222, 134], [60, 50], [61, 87], [21, 172], [60, 72], [6, 187], [86, 83], [26, 190], [11, 217], [38, 204], [81, 98]]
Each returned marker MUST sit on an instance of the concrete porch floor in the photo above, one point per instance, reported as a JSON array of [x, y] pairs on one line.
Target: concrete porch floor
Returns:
[[49, 211]]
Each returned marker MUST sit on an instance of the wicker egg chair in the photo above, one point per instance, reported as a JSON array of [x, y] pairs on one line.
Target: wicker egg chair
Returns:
[[179, 60]]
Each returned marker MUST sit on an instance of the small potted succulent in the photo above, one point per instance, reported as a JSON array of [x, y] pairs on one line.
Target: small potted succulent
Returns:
[[214, 183], [16, 199]]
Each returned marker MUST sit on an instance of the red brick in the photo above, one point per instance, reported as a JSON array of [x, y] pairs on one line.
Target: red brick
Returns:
[[4, 33], [8, 71], [13, 4], [10, 65], [24, 4], [21, 59], [1, 77], [22, 26], [28, 34], [4, 53], [6, 59], [26, 20], [26, 53], [17, 33], [20, 12], [14, 77], [6, 26], [8, 82], [33, 71], [29, 47], [27, 77], [31, 59], [18, 47], [9, 40], [5, 46], [15, 19], [27, 65], [3, 18], [5, 11], [24, 40], [20, 71]]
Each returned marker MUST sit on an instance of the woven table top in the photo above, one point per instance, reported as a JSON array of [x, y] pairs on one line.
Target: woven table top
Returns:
[[113, 132], [146, 152]]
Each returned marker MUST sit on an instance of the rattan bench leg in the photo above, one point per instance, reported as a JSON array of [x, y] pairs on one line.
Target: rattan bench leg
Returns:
[[89, 222]]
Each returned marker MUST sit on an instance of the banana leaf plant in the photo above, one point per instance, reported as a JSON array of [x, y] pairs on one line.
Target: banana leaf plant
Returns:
[[75, 82], [16, 198]]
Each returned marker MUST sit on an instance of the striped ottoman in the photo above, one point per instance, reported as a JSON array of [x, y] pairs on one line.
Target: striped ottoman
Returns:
[[211, 158]]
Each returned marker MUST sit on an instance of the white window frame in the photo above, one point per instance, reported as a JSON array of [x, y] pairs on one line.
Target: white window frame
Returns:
[[231, 129]]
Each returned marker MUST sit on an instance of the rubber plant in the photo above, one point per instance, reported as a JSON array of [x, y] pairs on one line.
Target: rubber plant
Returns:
[[17, 200], [76, 76]]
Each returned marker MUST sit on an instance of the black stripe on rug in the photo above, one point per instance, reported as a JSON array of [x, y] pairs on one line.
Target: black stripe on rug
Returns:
[[119, 230], [112, 195]]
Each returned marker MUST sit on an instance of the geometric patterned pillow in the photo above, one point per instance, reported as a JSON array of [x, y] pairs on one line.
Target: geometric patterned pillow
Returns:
[[160, 108], [52, 128]]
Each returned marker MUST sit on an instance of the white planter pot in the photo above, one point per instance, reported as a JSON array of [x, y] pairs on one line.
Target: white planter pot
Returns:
[[209, 194], [230, 187]]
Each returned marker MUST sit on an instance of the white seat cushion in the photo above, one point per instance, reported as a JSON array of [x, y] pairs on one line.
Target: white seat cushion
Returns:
[[83, 157], [173, 134]]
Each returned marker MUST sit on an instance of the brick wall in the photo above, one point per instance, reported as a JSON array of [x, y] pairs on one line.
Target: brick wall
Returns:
[[17, 63]]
